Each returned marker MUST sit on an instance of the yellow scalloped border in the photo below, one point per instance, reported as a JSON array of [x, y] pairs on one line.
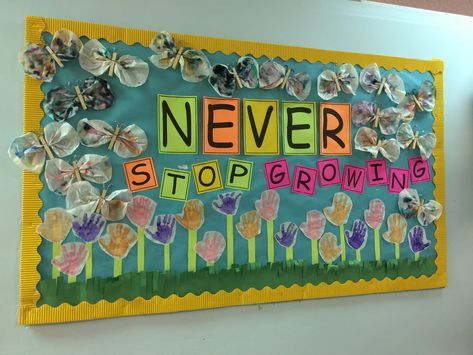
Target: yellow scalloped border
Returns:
[[29, 313]]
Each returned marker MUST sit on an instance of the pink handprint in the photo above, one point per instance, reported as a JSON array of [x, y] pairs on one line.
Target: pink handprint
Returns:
[[374, 216], [314, 226], [211, 247], [268, 205], [140, 210], [72, 259]]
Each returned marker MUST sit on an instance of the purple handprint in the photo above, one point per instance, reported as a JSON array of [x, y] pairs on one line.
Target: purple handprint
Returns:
[[417, 239], [88, 226], [163, 229], [357, 237], [287, 234], [227, 203]]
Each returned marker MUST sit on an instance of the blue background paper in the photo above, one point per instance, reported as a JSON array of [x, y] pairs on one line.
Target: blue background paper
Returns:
[[139, 105]]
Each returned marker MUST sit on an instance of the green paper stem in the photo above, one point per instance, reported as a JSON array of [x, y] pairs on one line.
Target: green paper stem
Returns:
[[117, 267], [416, 256], [167, 257], [342, 241], [229, 242], [252, 250], [210, 264], [191, 257], [358, 255], [397, 251], [141, 249], [56, 253], [377, 248], [71, 279], [270, 230], [88, 265], [289, 253], [314, 243]]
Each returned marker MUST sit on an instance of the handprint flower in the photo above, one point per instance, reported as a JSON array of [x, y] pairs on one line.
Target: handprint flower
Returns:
[[72, 259], [329, 249], [313, 228], [357, 237], [396, 232], [418, 241], [163, 229], [227, 203], [119, 240], [56, 225], [211, 247], [88, 226], [338, 213], [192, 216], [374, 217], [140, 210], [249, 227], [287, 234], [268, 207]]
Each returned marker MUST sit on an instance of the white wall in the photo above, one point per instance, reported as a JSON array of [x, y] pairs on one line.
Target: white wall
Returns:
[[427, 322]]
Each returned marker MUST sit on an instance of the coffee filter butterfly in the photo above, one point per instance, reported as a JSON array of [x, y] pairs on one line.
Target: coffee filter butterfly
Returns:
[[393, 85], [330, 83], [365, 112], [62, 103], [273, 75], [60, 175], [29, 151], [195, 65], [407, 138], [96, 59], [422, 100], [82, 197], [366, 140], [40, 61], [411, 205], [127, 142], [226, 79]]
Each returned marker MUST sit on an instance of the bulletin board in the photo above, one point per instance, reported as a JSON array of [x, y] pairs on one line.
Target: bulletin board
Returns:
[[278, 198]]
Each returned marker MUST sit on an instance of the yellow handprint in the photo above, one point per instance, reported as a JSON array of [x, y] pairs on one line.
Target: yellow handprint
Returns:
[[56, 226], [338, 213], [329, 249], [119, 240], [250, 225], [397, 226], [192, 216]]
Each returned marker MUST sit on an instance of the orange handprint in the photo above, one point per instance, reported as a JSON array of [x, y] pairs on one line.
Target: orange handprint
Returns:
[[192, 216], [250, 225], [397, 226], [118, 241], [338, 213], [329, 249], [56, 226]]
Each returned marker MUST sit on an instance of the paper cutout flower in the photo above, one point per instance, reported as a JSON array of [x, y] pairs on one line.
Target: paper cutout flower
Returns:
[[72, 259], [140, 210], [357, 237], [192, 216], [287, 234], [250, 225], [56, 225], [329, 249], [374, 216], [314, 226], [211, 247], [396, 232], [338, 213], [268, 205], [163, 229], [227, 203], [119, 240], [418, 241], [88, 226]]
